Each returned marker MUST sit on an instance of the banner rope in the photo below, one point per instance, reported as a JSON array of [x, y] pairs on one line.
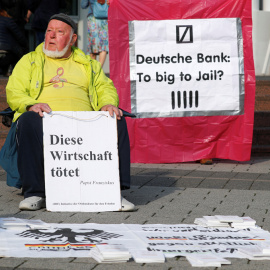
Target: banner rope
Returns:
[[76, 118]]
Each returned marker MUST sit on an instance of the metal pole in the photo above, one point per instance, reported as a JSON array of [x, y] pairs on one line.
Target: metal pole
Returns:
[[261, 5]]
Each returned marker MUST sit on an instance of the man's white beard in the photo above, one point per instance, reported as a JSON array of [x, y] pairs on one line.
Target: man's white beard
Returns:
[[56, 53]]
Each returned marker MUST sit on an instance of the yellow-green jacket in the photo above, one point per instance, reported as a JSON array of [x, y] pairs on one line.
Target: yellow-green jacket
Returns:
[[25, 84]]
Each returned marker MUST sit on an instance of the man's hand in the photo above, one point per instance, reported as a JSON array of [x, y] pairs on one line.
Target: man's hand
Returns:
[[40, 108], [112, 109]]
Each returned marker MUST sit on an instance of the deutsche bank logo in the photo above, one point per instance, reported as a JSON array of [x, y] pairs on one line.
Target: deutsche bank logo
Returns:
[[184, 34]]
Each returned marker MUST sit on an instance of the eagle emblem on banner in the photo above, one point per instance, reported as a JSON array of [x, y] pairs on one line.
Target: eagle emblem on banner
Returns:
[[66, 238]]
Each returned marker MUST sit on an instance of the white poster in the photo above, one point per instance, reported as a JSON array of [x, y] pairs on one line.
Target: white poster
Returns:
[[60, 240], [184, 239], [186, 67], [81, 162], [37, 239]]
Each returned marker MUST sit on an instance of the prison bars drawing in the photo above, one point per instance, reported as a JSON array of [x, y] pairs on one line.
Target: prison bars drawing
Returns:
[[183, 99]]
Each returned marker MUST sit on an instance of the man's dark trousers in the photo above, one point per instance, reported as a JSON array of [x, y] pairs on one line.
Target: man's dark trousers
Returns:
[[30, 154]]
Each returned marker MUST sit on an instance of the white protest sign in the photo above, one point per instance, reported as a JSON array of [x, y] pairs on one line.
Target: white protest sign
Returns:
[[76, 240], [81, 162], [186, 67], [185, 239]]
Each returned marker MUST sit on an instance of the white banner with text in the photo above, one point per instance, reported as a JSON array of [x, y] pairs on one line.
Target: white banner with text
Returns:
[[81, 162], [186, 67], [37, 239]]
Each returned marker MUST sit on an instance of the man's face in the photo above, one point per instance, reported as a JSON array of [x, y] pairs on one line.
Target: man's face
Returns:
[[58, 37]]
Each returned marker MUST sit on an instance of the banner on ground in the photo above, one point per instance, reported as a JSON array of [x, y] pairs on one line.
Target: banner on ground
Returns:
[[76, 240], [186, 71], [81, 162]]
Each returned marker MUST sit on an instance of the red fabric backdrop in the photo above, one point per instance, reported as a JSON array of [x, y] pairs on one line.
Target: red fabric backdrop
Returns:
[[180, 139]]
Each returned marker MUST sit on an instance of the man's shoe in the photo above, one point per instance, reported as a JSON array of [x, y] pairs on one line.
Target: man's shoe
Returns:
[[32, 203], [126, 205], [206, 161]]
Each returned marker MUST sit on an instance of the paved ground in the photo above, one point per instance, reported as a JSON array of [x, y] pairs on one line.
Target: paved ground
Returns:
[[164, 193]]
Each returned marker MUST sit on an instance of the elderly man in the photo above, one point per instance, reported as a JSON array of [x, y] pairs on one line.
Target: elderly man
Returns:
[[58, 77]]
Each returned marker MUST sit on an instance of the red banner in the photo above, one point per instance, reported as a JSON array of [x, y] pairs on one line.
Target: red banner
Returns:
[[187, 137]]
